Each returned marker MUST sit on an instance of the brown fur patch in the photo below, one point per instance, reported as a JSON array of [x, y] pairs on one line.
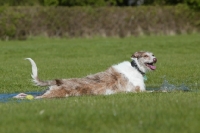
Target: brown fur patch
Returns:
[[137, 89], [138, 54], [58, 82]]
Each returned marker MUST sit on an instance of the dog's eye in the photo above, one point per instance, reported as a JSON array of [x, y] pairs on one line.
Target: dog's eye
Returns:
[[146, 56]]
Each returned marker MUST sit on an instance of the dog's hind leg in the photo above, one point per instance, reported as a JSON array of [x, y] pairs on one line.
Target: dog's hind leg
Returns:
[[21, 96], [54, 92]]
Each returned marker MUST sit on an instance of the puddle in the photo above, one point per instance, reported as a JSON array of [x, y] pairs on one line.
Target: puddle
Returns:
[[9, 97]]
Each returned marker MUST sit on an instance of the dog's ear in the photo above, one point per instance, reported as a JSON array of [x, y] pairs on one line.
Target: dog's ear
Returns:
[[137, 55]]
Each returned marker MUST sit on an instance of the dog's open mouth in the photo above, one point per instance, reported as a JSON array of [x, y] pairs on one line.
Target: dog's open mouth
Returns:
[[151, 66]]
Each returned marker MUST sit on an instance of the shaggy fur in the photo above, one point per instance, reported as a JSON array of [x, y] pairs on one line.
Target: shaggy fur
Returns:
[[122, 77]]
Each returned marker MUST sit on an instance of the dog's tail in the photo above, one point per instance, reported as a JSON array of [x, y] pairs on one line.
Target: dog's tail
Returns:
[[36, 80]]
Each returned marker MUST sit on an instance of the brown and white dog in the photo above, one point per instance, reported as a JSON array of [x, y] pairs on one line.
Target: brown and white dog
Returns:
[[123, 77]]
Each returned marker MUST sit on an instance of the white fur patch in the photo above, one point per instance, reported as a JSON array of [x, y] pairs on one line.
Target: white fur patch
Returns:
[[132, 74], [109, 92], [34, 68]]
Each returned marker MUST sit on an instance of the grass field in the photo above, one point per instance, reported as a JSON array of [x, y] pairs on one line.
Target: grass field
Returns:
[[175, 112]]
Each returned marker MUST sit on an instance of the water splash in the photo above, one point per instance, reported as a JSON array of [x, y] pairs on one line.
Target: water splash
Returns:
[[167, 87]]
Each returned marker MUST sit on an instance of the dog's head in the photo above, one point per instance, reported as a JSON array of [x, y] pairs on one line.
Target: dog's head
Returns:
[[146, 60]]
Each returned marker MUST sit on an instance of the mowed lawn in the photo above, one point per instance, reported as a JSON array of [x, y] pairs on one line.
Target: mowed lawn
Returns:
[[175, 112]]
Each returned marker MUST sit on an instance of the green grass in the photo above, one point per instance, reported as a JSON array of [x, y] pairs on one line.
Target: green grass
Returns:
[[178, 61]]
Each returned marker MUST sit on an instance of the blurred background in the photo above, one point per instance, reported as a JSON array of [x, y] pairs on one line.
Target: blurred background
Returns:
[[20, 19]]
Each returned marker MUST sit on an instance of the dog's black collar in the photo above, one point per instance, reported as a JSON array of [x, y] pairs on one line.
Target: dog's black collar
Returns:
[[133, 64]]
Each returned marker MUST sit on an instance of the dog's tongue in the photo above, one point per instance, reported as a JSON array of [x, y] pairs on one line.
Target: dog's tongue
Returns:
[[152, 67]]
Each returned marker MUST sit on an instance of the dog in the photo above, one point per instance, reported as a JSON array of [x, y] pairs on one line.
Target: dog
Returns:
[[123, 77]]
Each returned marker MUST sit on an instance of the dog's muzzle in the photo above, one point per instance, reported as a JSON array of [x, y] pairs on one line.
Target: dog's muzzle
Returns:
[[151, 65]]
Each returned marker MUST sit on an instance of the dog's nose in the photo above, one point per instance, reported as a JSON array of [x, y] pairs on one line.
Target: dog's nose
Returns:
[[154, 60]]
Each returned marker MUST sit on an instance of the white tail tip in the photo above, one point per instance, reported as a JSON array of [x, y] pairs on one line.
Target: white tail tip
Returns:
[[34, 68]]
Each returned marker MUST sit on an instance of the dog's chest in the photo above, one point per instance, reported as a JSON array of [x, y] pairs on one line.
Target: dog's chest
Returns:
[[133, 76]]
